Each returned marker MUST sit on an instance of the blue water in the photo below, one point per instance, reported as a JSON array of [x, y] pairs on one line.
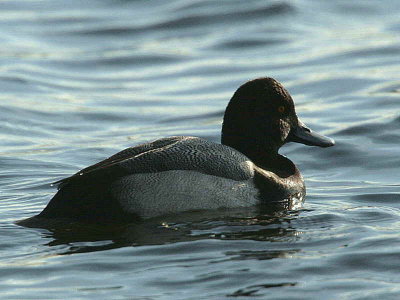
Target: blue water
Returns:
[[81, 80]]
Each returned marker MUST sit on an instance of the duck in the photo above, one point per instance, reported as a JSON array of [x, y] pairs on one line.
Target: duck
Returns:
[[184, 173]]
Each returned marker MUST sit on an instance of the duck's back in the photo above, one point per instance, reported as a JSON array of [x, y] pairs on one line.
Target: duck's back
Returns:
[[169, 175]]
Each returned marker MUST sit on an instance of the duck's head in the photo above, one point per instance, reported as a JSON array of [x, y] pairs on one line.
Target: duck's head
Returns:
[[261, 117]]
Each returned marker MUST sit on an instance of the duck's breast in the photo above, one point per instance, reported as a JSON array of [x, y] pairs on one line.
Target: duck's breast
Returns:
[[153, 194]]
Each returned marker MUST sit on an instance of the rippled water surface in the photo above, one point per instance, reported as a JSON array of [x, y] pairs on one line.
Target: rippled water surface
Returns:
[[81, 80]]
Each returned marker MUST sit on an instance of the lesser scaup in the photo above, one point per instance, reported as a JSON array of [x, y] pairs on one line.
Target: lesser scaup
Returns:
[[182, 173]]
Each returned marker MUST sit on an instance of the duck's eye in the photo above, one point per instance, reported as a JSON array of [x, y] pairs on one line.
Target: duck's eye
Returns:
[[281, 109]]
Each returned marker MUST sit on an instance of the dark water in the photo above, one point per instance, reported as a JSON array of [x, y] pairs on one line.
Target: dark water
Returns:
[[81, 80]]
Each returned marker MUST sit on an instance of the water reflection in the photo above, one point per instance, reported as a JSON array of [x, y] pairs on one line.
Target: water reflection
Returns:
[[254, 290], [235, 224]]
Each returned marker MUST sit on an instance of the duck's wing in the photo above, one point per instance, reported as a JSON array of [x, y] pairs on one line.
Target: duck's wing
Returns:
[[173, 153], [113, 163]]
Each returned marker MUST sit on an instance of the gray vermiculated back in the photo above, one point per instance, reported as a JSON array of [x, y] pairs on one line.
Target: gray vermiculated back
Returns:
[[173, 153], [192, 153]]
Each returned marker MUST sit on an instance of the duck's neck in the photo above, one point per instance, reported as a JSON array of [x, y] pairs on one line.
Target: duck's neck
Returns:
[[246, 143], [260, 153]]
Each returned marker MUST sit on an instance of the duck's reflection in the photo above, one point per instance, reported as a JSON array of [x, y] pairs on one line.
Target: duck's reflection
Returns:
[[238, 224]]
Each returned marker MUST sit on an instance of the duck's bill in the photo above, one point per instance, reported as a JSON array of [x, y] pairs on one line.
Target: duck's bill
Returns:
[[304, 135]]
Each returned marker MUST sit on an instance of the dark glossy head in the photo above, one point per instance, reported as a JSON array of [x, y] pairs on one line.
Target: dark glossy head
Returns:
[[261, 117]]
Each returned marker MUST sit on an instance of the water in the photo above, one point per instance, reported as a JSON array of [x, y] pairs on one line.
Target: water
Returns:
[[81, 80]]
